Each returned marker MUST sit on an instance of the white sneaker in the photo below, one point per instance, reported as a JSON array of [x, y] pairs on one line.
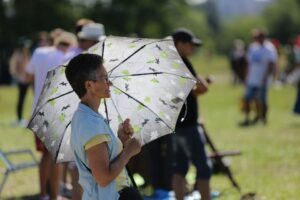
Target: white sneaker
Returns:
[[23, 123]]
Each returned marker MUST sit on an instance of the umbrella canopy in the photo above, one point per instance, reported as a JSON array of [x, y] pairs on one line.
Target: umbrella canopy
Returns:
[[150, 85]]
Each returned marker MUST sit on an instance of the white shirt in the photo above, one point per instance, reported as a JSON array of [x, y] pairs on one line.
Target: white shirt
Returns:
[[43, 60], [259, 56]]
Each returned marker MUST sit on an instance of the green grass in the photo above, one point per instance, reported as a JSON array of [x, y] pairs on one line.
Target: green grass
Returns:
[[270, 160], [22, 183]]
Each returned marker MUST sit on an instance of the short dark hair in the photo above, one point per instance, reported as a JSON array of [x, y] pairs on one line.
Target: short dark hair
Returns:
[[82, 68]]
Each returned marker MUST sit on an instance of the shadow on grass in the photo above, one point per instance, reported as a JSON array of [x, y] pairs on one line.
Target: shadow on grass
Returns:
[[30, 197]]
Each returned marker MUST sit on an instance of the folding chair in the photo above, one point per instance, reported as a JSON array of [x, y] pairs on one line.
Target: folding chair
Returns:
[[13, 167]]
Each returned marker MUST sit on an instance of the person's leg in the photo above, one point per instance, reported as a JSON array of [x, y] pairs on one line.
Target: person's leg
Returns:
[[63, 172], [77, 190], [246, 108], [201, 162], [166, 159], [180, 165], [44, 168], [22, 94], [249, 96], [258, 110], [203, 186], [65, 188], [156, 168], [179, 186], [54, 179], [264, 104], [48, 170], [297, 102]]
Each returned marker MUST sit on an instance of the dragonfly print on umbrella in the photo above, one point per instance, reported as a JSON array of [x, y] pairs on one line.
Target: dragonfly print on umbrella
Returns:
[[150, 85], [53, 113]]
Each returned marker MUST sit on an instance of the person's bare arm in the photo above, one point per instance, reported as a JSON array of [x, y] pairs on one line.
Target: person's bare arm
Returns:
[[28, 78], [105, 171], [201, 87], [273, 70], [270, 71]]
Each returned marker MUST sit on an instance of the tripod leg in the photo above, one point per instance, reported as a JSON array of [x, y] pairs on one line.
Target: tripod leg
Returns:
[[219, 160]]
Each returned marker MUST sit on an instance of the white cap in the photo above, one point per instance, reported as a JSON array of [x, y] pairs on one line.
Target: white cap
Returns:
[[92, 31]]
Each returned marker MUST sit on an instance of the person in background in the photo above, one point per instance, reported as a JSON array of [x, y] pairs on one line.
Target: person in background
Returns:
[[296, 74], [80, 23], [44, 39], [188, 145], [238, 62], [89, 35], [262, 62], [44, 59], [17, 65], [100, 154]]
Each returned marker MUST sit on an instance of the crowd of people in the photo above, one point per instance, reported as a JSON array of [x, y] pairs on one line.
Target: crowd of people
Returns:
[[105, 174], [52, 49], [98, 171]]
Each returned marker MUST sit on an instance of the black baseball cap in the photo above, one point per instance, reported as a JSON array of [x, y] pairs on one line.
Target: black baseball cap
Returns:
[[185, 35]]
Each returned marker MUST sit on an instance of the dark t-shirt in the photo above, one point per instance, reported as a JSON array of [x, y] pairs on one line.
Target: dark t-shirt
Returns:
[[192, 105]]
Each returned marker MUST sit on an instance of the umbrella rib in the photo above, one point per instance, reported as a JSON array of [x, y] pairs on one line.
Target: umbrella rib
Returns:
[[126, 59], [103, 46], [33, 116], [56, 154], [133, 53], [106, 112], [152, 73], [116, 108], [59, 96], [128, 95]]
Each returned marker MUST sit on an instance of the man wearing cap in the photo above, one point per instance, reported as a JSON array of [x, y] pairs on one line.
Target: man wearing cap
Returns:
[[80, 23], [187, 142], [89, 35]]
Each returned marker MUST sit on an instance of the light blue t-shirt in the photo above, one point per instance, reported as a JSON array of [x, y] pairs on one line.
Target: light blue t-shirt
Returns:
[[85, 125]]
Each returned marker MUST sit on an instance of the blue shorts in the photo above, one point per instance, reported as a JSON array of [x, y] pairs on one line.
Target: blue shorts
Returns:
[[254, 92], [188, 145]]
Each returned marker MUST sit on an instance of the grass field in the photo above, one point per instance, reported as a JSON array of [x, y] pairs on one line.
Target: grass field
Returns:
[[270, 160]]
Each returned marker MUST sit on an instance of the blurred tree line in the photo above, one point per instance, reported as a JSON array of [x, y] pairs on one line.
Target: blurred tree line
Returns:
[[143, 18], [281, 20], [146, 18]]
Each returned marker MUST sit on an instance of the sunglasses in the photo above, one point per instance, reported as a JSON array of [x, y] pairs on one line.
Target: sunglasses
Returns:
[[101, 78]]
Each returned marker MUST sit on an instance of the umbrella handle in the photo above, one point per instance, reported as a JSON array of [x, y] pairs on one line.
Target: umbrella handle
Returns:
[[131, 177]]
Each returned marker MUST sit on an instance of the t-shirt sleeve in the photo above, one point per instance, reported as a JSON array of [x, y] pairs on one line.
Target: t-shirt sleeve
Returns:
[[92, 128], [273, 55], [30, 66], [98, 139]]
